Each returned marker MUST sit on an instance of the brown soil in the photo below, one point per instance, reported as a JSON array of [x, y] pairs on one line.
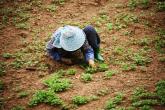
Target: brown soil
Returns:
[[80, 11]]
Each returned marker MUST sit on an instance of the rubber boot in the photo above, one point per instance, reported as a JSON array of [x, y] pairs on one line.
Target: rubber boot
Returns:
[[98, 55]]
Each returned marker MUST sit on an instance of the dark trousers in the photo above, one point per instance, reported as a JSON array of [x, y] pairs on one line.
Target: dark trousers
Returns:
[[92, 37]]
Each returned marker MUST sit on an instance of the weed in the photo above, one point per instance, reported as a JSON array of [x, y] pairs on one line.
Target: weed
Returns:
[[110, 26], [132, 4], [144, 42], [22, 26], [112, 103], [71, 72], [145, 102], [60, 2], [161, 6], [1, 85], [57, 84], [18, 107], [23, 94], [80, 100], [102, 67], [90, 70], [47, 97], [144, 3], [162, 59], [146, 107], [160, 44], [51, 8], [141, 59], [110, 73], [128, 67], [86, 77], [102, 92], [160, 90], [2, 68], [118, 50], [7, 55]]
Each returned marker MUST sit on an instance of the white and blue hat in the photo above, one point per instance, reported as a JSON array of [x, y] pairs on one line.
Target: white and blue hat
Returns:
[[70, 38]]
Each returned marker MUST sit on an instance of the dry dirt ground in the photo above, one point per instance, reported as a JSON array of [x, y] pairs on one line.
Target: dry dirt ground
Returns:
[[37, 65]]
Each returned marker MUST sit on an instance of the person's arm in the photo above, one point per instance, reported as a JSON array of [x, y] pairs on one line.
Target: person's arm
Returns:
[[88, 54]]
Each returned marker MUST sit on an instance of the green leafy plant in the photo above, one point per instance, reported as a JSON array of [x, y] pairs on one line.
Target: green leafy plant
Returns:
[[90, 70], [144, 42], [71, 72], [145, 102], [146, 107], [60, 2], [57, 84], [110, 26], [160, 90], [22, 25], [80, 100], [128, 67], [144, 3], [102, 67], [43, 96], [132, 4], [51, 8], [86, 77], [23, 94], [112, 103], [110, 73], [18, 107], [7, 55]]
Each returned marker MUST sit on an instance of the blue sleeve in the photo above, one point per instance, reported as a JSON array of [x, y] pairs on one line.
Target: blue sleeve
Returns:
[[89, 54], [54, 54]]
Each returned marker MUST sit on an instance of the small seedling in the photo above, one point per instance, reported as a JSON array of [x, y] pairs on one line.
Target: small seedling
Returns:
[[110, 26], [112, 103], [57, 84], [71, 72], [23, 94], [102, 67], [110, 73], [90, 70], [48, 97], [80, 100], [128, 67], [160, 90], [7, 55], [86, 77], [18, 107]]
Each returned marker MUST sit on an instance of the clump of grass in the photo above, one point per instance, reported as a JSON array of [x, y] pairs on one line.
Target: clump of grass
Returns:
[[110, 73], [18, 107], [71, 72], [80, 100], [112, 103], [86, 77], [48, 97], [57, 84], [160, 90], [23, 94]]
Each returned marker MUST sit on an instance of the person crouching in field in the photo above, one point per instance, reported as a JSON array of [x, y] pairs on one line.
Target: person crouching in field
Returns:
[[69, 39]]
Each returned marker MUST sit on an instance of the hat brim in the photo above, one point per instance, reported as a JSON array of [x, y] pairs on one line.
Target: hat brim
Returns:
[[73, 43]]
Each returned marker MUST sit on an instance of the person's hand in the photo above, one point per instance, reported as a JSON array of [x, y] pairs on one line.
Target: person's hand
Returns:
[[91, 63]]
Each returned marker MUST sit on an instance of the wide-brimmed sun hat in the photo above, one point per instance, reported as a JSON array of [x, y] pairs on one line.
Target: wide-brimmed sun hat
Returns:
[[70, 38]]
